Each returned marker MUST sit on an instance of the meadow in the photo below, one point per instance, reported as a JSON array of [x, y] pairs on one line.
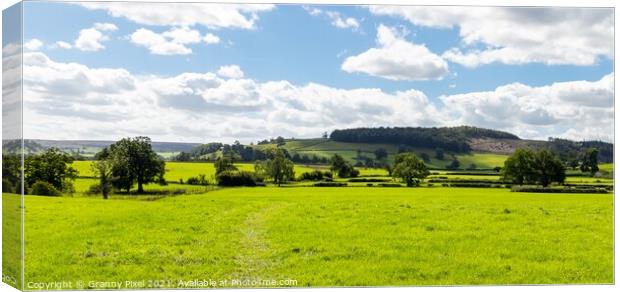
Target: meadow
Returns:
[[325, 237]]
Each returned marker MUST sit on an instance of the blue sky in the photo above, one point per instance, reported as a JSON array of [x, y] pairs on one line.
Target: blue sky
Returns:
[[338, 48]]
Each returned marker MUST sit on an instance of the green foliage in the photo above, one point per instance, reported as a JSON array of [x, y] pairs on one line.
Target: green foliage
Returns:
[[11, 172], [454, 164], [223, 164], [342, 167], [104, 171], [277, 167], [526, 166], [330, 184], [134, 161], [42, 188], [409, 169], [234, 178], [381, 154], [201, 179], [589, 161], [51, 166], [566, 190], [315, 175], [439, 154]]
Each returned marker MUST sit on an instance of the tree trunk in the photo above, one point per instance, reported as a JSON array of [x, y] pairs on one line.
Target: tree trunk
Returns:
[[140, 188]]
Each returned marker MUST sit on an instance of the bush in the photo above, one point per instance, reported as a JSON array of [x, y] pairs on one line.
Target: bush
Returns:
[[369, 185], [567, 190], [315, 175], [231, 178], [41, 188], [200, 180], [330, 184], [7, 186], [389, 185], [369, 180]]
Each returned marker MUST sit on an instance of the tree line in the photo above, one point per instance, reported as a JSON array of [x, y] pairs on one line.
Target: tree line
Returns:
[[448, 138]]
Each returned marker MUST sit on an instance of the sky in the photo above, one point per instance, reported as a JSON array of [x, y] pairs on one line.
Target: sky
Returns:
[[225, 72]]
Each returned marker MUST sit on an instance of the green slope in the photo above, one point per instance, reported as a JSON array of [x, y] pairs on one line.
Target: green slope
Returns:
[[327, 148]]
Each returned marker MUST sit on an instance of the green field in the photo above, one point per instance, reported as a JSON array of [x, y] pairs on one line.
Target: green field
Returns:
[[327, 148], [326, 237]]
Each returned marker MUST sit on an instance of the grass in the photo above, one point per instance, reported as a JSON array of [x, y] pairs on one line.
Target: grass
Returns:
[[11, 240], [328, 237]]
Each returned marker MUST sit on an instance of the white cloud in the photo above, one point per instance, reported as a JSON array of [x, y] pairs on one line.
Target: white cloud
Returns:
[[33, 45], [91, 39], [113, 103], [171, 42], [518, 35], [336, 19], [105, 26], [397, 59], [185, 14], [575, 109], [232, 71], [210, 38], [62, 45]]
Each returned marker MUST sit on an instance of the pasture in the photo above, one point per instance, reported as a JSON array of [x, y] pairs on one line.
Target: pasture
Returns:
[[326, 237]]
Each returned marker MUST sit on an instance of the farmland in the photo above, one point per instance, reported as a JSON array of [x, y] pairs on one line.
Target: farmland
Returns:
[[326, 237]]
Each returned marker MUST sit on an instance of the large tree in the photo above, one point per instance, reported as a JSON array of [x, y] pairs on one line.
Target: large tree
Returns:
[[410, 169], [526, 166], [51, 166], [548, 167], [134, 161], [11, 172], [589, 162], [277, 166]]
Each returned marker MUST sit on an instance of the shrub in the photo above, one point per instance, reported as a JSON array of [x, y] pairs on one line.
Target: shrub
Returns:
[[41, 188], [200, 180], [389, 185], [369, 185], [315, 175], [369, 180], [7, 186], [330, 184], [232, 178], [474, 185]]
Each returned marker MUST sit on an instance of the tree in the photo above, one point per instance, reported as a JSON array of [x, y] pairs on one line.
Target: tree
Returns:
[[277, 167], [454, 164], [548, 167], [11, 173], [51, 166], [526, 166], [342, 167], [381, 153], [590, 161], [103, 169], [183, 156], [280, 141], [439, 153], [410, 169], [519, 167], [134, 161], [224, 164]]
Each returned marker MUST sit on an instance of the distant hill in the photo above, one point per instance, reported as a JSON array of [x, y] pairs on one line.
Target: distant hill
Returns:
[[89, 148]]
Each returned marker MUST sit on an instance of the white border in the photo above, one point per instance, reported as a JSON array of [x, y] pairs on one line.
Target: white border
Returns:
[[561, 3]]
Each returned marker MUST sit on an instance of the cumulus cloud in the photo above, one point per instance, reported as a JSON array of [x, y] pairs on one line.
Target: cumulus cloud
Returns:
[[575, 109], [518, 35], [171, 42], [214, 16], [232, 71], [214, 106], [11, 91], [397, 59], [61, 45], [33, 45], [336, 19], [91, 39]]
